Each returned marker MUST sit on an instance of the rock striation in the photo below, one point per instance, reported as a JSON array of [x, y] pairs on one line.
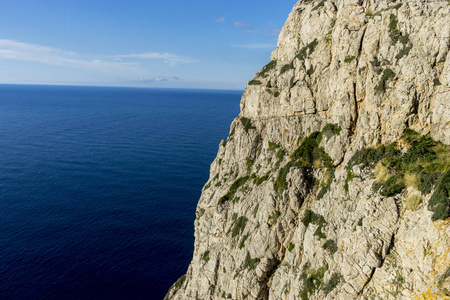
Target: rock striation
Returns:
[[334, 181]]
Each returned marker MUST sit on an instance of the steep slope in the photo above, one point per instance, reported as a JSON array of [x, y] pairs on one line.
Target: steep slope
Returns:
[[334, 182]]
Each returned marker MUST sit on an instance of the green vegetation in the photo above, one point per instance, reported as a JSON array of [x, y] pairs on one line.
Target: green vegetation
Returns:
[[259, 180], [332, 283], [233, 189], [307, 50], [319, 5], [387, 74], [360, 222], [325, 186], [331, 246], [238, 226], [309, 155], [254, 82], [436, 82], [276, 94], [440, 200], [425, 164], [311, 217], [205, 257], [250, 163], [349, 59], [250, 262], [312, 279], [270, 66], [350, 177], [273, 146], [403, 52], [280, 155], [413, 201], [255, 211], [247, 123], [242, 244], [287, 67], [310, 71], [291, 246]]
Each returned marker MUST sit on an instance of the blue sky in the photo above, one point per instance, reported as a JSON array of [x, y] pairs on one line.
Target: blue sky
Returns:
[[217, 44]]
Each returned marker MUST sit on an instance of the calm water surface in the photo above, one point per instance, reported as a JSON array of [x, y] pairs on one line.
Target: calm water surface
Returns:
[[98, 187]]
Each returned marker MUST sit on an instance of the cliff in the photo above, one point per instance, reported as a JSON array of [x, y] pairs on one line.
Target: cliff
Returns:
[[334, 181]]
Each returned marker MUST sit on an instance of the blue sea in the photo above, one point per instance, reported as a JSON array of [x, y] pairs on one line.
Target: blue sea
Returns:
[[99, 186]]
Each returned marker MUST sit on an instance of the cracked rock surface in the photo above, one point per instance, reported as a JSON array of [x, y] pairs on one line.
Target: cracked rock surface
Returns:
[[276, 221]]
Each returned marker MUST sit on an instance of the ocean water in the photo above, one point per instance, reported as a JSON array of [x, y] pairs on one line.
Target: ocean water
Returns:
[[98, 187]]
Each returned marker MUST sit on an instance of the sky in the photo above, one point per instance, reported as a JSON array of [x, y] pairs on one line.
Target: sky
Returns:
[[211, 44]]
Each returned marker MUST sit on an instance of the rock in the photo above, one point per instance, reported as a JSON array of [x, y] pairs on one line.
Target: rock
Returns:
[[287, 213]]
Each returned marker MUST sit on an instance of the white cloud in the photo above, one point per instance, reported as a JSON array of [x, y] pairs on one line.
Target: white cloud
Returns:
[[239, 24], [220, 20], [272, 31], [169, 58], [10, 49], [255, 46]]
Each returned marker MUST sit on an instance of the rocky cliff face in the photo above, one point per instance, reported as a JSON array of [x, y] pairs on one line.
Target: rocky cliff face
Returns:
[[334, 182]]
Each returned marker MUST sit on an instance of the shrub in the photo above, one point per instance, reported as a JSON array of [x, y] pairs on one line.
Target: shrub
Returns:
[[250, 163], [307, 50], [440, 200], [311, 217], [238, 226], [310, 71], [436, 82], [242, 244], [273, 146], [427, 181], [287, 67], [291, 246], [250, 262], [233, 189], [332, 283], [260, 180], [270, 66], [254, 82], [255, 211], [392, 186], [276, 94], [405, 51], [205, 257], [387, 74], [331, 246], [319, 5], [349, 59], [312, 279], [247, 123], [413, 201]]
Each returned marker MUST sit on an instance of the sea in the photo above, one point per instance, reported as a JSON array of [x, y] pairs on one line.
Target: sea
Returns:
[[99, 187]]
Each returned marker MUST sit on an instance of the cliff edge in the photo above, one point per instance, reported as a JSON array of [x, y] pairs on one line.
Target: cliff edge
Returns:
[[334, 182]]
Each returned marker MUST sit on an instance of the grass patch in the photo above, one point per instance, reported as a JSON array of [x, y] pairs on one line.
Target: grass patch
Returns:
[[247, 123], [404, 52], [312, 217], [413, 201], [260, 180], [270, 66], [381, 172], [233, 189]]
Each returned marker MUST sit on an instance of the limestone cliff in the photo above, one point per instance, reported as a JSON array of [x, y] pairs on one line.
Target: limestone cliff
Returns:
[[334, 181]]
